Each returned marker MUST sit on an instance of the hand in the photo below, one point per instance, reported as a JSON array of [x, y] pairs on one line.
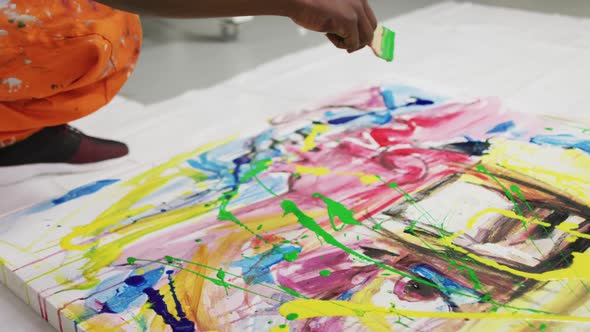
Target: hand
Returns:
[[348, 24]]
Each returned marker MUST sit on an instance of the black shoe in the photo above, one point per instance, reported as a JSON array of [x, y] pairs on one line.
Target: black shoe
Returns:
[[56, 150]]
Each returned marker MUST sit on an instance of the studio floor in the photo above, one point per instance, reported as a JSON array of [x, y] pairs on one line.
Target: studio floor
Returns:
[[197, 58]]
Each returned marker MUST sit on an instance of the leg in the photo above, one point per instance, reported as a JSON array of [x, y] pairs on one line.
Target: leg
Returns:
[[59, 65]]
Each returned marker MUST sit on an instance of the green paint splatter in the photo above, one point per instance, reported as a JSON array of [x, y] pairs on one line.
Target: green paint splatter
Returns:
[[484, 170], [198, 240], [336, 209], [549, 129], [215, 281], [20, 24], [304, 237], [283, 326], [290, 207], [221, 276], [325, 273], [412, 227], [269, 322], [256, 168], [542, 327], [225, 215], [170, 259], [131, 260], [291, 292], [292, 316], [259, 227], [291, 256]]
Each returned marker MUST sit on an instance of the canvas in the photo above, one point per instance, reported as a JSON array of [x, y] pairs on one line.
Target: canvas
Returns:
[[389, 208]]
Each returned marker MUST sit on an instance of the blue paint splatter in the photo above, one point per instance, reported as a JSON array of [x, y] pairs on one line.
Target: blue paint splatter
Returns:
[[502, 127], [343, 120], [388, 99], [86, 190], [256, 269], [179, 310], [564, 141], [472, 148], [193, 163], [239, 162], [449, 288], [347, 295], [182, 324], [419, 102], [130, 293], [159, 306]]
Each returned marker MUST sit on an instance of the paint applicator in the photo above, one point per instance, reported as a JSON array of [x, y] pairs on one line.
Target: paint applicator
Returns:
[[383, 44]]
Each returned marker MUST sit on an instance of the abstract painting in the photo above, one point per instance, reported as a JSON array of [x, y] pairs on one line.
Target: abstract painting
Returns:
[[388, 208]]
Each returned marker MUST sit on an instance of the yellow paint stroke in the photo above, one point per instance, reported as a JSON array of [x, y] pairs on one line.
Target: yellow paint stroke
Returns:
[[580, 268], [564, 170], [309, 142], [306, 309], [194, 292], [99, 255], [317, 171], [570, 228], [280, 328], [3, 266], [507, 213], [367, 179], [373, 323], [106, 254]]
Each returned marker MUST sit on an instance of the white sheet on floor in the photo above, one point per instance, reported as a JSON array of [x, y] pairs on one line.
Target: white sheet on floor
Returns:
[[537, 63]]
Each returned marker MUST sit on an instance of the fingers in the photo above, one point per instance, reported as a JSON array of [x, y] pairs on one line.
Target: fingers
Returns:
[[365, 32], [354, 30], [366, 23], [336, 40], [350, 35], [371, 15]]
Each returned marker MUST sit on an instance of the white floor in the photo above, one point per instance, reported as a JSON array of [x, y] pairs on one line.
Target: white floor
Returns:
[[537, 63], [197, 58]]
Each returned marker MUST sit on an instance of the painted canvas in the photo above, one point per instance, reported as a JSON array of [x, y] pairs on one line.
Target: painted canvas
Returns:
[[389, 208]]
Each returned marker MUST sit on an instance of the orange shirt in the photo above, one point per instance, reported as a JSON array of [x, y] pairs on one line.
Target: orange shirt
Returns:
[[61, 60]]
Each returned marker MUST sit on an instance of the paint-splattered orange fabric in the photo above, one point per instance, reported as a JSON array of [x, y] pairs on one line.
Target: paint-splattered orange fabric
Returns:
[[60, 60]]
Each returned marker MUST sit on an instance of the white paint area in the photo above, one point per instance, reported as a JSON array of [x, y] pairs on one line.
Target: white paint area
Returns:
[[24, 18], [454, 205], [13, 83], [3, 32]]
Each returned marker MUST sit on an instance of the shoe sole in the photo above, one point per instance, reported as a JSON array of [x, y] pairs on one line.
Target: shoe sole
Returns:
[[16, 174]]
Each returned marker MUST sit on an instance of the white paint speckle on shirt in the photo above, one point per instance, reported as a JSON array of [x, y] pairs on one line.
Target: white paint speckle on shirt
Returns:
[[14, 84]]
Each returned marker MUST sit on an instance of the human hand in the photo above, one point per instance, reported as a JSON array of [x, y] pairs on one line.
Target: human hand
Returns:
[[348, 24]]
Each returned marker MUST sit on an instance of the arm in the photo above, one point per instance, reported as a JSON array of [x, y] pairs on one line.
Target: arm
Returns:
[[349, 24], [202, 8]]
